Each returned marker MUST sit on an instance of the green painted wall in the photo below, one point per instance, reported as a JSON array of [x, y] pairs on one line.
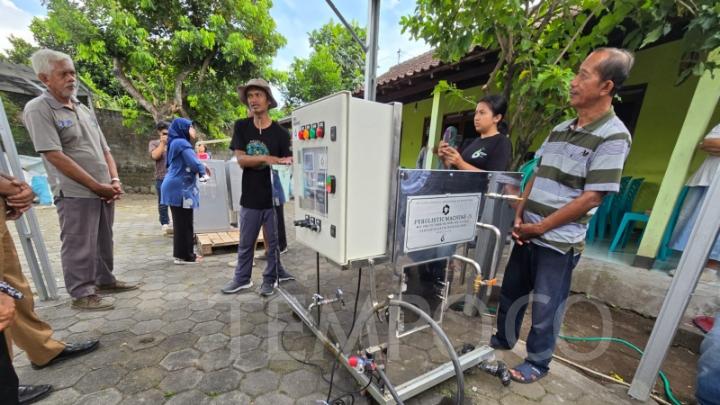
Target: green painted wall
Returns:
[[414, 115], [661, 117]]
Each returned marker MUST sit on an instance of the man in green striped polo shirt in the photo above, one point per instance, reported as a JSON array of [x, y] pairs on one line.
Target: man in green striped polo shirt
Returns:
[[581, 160]]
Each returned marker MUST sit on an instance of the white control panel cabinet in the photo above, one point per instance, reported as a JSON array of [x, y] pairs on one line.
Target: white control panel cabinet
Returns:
[[342, 151]]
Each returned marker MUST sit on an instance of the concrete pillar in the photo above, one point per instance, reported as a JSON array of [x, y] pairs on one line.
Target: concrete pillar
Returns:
[[702, 106], [435, 132]]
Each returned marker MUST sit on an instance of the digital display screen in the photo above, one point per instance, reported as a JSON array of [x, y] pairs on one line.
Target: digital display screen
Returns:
[[314, 194]]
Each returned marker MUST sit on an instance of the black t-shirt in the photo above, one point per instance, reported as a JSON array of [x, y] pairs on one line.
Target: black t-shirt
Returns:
[[492, 153], [274, 141]]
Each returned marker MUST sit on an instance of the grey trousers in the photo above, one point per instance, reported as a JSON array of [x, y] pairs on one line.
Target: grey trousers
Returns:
[[251, 220], [87, 243]]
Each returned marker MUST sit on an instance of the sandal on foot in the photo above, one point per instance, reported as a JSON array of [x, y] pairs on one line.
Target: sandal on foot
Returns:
[[528, 373]]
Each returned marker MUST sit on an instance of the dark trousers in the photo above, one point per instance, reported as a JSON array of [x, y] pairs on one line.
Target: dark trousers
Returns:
[[183, 233], [162, 209], [547, 274], [282, 237], [8, 378], [86, 252], [251, 220]]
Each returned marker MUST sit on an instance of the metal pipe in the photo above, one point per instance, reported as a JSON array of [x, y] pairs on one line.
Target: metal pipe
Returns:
[[469, 261], [495, 232], [347, 25], [389, 386], [507, 197], [373, 28]]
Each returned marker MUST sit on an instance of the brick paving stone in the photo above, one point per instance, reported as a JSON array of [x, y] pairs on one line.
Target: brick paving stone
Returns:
[[176, 314], [181, 380], [232, 398], [180, 341], [208, 328], [149, 397], [275, 399], [180, 359], [193, 397], [211, 343], [251, 361], [562, 388], [66, 396], [148, 314], [514, 399], [299, 383], [142, 342], [220, 381], [216, 360], [238, 328], [145, 358], [100, 379], [109, 396], [106, 355], [178, 327], [141, 380], [204, 316], [245, 343], [259, 382], [146, 327], [533, 391]]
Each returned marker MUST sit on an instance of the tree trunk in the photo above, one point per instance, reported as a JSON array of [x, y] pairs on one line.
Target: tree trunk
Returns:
[[128, 85]]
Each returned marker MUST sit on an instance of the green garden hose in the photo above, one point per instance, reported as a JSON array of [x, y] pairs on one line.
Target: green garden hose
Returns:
[[666, 383]]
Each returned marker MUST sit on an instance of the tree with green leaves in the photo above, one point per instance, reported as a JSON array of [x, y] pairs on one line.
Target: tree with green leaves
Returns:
[[539, 44], [171, 58], [19, 52], [336, 63]]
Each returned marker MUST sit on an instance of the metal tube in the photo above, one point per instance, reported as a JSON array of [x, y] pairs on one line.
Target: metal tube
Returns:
[[389, 386], [468, 307], [347, 25], [469, 261], [27, 226], [692, 262], [373, 27], [484, 296]]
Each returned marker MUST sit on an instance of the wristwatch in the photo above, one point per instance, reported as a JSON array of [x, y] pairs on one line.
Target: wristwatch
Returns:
[[114, 179], [7, 289]]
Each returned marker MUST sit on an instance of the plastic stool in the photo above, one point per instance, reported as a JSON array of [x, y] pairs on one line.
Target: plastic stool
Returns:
[[623, 232]]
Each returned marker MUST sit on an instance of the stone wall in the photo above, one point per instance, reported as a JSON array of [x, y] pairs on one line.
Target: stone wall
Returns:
[[130, 149]]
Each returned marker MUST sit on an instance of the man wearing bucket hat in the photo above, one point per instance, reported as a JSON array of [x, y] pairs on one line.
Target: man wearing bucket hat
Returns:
[[258, 144]]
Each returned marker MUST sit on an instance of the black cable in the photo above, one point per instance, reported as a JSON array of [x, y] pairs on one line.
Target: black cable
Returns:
[[352, 326]]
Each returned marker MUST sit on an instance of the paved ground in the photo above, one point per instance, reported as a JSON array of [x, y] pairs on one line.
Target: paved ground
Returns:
[[176, 340]]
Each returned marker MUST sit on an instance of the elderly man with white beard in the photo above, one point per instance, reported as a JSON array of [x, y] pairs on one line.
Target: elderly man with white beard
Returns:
[[84, 180]]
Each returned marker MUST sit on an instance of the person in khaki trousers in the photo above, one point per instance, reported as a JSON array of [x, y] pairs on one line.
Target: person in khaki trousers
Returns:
[[28, 331]]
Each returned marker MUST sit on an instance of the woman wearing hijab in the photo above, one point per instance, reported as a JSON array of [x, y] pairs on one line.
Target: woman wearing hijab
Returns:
[[179, 188]]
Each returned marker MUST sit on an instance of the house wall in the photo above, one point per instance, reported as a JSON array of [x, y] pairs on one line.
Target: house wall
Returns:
[[661, 117]]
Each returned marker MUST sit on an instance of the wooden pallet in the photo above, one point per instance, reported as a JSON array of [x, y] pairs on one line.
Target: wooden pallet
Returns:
[[206, 242]]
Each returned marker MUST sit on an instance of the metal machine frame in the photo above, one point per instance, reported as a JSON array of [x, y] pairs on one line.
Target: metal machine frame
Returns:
[[440, 373], [28, 227]]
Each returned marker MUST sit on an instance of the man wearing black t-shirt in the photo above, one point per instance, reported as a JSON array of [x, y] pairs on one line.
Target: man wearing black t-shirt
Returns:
[[258, 144]]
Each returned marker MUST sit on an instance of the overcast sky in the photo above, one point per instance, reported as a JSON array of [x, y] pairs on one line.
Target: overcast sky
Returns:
[[294, 18]]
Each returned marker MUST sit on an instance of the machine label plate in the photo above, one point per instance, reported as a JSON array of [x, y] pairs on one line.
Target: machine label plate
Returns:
[[439, 220]]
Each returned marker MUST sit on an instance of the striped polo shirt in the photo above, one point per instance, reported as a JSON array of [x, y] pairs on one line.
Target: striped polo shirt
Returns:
[[574, 160]]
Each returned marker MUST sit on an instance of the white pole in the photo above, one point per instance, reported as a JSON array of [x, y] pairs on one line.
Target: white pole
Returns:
[[373, 27], [678, 296]]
